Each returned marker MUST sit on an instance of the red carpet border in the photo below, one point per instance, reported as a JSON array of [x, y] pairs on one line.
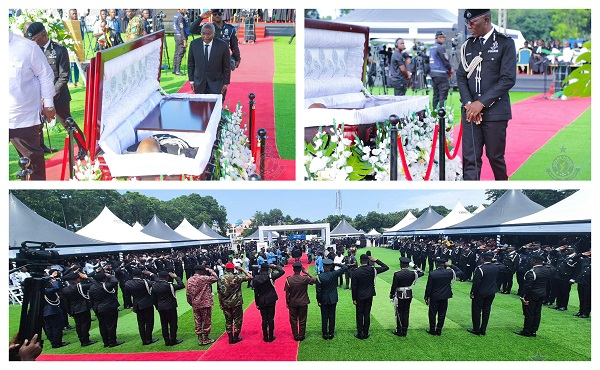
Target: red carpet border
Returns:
[[146, 356]]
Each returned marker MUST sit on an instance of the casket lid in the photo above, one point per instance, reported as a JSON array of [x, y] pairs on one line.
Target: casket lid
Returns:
[[335, 53]]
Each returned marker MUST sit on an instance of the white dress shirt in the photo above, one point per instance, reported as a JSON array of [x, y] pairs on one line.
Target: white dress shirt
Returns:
[[209, 48], [30, 79]]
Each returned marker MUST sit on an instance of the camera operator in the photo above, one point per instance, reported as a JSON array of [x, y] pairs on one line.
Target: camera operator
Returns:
[[146, 21], [181, 33], [78, 305], [400, 76], [441, 71]]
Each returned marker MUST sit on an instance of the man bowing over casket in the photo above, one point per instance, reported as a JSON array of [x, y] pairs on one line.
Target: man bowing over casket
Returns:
[[209, 68]]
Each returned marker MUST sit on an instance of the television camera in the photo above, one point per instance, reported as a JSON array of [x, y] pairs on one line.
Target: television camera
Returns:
[[420, 67]]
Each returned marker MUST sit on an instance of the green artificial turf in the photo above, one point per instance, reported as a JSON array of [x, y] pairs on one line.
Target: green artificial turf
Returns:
[[571, 145], [284, 91], [561, 337]]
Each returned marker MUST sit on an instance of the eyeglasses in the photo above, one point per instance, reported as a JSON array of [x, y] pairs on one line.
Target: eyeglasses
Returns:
[[217, 13]]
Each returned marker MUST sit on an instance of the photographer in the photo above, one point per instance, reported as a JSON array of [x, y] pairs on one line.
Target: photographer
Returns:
[[440, 72], [399, 74]]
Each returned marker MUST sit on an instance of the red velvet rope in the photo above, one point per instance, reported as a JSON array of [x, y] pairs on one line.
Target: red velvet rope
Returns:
[[453, 155], [432, 154], [256, 156], [403, 159]]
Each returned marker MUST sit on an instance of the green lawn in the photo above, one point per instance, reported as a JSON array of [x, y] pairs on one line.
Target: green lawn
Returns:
[[284, 90], [561, 336]]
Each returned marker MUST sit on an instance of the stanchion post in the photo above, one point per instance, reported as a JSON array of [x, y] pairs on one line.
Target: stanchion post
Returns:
[[262, 136], [70, 130], [394, 119], [442, 143], [251, 103], [25, 173]]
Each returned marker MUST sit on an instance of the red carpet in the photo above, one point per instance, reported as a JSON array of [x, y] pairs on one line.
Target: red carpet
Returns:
[[255, 75], [284, 348], [535, 121], [146, 356]]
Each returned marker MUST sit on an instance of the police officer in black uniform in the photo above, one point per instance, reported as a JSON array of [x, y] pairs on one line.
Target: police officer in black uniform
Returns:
[[488, 70], [483, 291], [440, 71], [584, 285], [533, 294], [437, 293], [103, 296], [566, 270], [77, 303], [401, 293], [143, 303], [165, 300], [58, 58], [223, 31], [511, 260]]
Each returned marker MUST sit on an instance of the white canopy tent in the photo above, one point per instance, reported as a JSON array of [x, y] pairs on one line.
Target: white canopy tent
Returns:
[[406, 220], [373, 233], [108, 227], [479, 209], [186, 229], [457, 215], [137, 226]]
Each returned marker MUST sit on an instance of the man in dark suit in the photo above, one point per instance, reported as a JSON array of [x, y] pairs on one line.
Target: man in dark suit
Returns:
[[58, 58], [533, 294], [103, 295], [363, 291], [77, 304], [488, 70], [209, 68], [401, 293], [265, 297], [143, 303], [165, 300], [511, 259], [437, 293], [327, 296], [483, 291]]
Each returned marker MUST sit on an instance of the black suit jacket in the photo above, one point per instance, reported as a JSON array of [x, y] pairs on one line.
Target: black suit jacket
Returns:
[[209, 79], [104, 295], [141, 291], [535, 280], [163, 294], [58, 58], [264, 291], [498, 75], [439, 283], [485, 279], [363, 280], [74, 300]]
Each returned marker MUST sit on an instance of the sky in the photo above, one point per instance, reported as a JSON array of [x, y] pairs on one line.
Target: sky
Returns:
[[318, 204]]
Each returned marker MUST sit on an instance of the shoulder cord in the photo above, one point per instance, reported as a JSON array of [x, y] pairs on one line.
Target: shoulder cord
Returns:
[[51, 302], [106, 290], [475, 64], [173, 290], [148, 289], [80, 290]]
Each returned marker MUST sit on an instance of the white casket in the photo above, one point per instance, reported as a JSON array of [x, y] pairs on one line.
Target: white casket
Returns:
[[126, 105], [334, 60]]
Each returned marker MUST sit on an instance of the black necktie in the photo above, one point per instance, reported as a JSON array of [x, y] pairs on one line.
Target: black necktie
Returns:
[[481, 41], [206, 55], [43, 50]]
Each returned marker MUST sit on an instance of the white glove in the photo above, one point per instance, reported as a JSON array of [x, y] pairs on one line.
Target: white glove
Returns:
[[411, 264]]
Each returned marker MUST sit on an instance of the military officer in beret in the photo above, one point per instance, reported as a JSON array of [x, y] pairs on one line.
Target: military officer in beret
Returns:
[[231, 301], [401, 293], [483, 291], [437, 293], [140, 290], [486, 72], [533, 294], [58, 58], [165, 300], [327, 296]]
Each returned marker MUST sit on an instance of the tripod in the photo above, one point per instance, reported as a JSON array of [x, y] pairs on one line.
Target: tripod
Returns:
[[380, 77], [86, 34], [160, 26], [419, 81]]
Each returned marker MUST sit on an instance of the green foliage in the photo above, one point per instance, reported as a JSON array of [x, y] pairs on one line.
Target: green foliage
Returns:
[[549, 24], [580, 80], [54, 25]]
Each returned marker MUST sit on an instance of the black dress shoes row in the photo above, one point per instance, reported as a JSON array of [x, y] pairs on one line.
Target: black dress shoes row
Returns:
[[153, 340], [361, 336], [328, 336], [116, 344], [89, 343], [62, 344], [525, 334]]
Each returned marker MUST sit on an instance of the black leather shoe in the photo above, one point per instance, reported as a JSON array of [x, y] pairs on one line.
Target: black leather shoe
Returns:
[[330, 336], [577, 314], [534, 334], [482, 333], [153, 340], [358, 336], [89, 343], [473, 332], [561, 309], [326, 336], [272, 338], [397, 332], [49, 150], [584, 316], [175, 342], [61, 345], [117, 343], [523, 334], [430, 331], [69, 327], [438, 332], [179, 73]]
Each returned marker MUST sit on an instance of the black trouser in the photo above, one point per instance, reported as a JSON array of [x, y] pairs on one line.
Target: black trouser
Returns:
[[492, 135], [402, 313], [127, 303], [328, 318], [53, 327], [533, 315], [563, 290], [341, 280], [363, 316], [83, 323], [520, 282], [431, 261], [480, 312], [168, 324], [400, 91], [267, 313], [437, 309], [348, 274], [585, 298], [551, 290], [179, 53], [107, 323], [145, 320], [508, 282], [26, 141], [440, 85], [298, 316]]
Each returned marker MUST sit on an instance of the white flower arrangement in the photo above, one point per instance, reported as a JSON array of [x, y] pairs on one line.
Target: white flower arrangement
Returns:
[[234, 158], [333, 157], [54, 25], [86, 171]]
